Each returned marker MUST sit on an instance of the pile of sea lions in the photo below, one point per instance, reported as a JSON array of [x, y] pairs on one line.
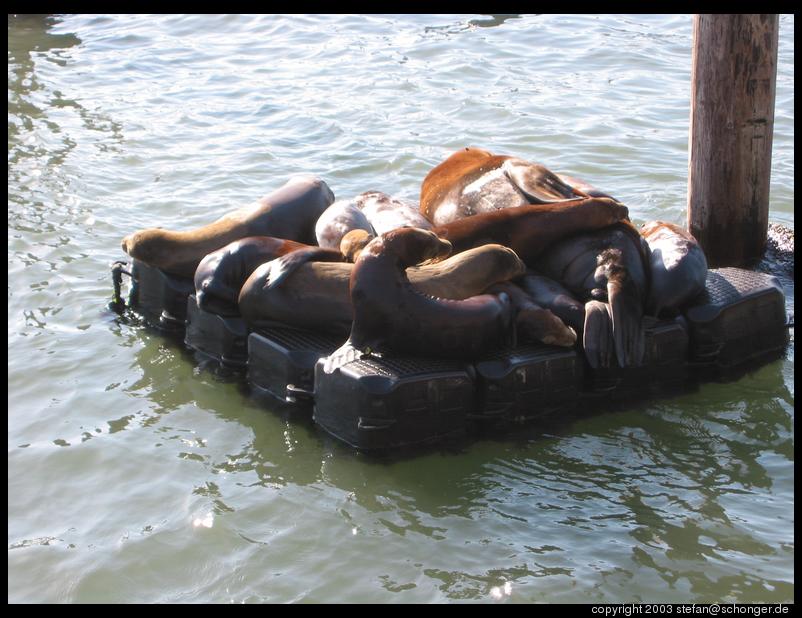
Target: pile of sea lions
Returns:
[[498, 250]]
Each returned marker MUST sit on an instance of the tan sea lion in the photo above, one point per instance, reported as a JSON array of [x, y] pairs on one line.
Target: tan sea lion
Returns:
[[290, 212]]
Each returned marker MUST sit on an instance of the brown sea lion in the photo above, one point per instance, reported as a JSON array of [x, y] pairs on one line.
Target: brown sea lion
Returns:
[[353, 242], [548, 293], [533, 322], [392, 316], [529, 230], [316, 295], [609, 265], [678, 267], [289, 212], [473, 181], [220, 275]]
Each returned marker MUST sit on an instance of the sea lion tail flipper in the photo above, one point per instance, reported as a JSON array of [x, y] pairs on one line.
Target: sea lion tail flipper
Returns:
[[597, 334], [627, 317], [346, 353], [538, 184], [282, 267]]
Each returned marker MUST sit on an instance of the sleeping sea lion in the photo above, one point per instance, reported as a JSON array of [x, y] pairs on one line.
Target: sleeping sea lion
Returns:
[[610, 265], [529, 230], [220, 275], [473, 181], [387, 213], [678, 267], [339, 219], [290, 212]]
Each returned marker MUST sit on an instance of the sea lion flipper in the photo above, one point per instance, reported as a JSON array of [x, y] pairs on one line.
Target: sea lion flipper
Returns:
[[539, 184], [282, 267], [627, 313], [343, 355], [534, 322], [597, 334]]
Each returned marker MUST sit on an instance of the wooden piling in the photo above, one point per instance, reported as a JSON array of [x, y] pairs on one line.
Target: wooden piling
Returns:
[[733, 83]]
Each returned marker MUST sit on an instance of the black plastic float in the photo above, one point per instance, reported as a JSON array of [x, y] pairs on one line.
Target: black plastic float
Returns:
[[663, 370], [528, 382], [741, 319], [281, 362], [159, 297], [375, 403], [386, 403], [224, 339]]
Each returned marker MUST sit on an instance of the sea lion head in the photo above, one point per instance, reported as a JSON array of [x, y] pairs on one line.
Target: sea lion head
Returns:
[[614, 209], [508, 264], [148, 246], [412, 245], [353, 242]]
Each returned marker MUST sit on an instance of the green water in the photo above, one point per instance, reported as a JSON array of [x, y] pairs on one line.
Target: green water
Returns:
[[137, 475]]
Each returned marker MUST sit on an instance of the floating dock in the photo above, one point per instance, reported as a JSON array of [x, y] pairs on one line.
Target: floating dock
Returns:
[[382, 403]]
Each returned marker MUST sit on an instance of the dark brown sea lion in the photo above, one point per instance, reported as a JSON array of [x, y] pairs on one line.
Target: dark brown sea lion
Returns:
[[533, 322], [390, 315], [529, 230], [473, 181], [289, 212], [221, 274], [546, 292], [678, 267], [609, 265], [316, 295]]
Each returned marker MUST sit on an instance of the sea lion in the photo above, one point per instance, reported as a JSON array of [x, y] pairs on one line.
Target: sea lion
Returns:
[[339, 219], [546, 292], [678, 267], [391, 315], [533, 322], [387, 213], [290, 212], [316, 296], [353, 243], [220, 275], [529, 230], [609, 265], [473, 181]]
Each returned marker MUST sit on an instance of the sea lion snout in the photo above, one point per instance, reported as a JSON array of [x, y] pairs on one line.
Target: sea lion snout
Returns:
[[442, 249], [616, 210]]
